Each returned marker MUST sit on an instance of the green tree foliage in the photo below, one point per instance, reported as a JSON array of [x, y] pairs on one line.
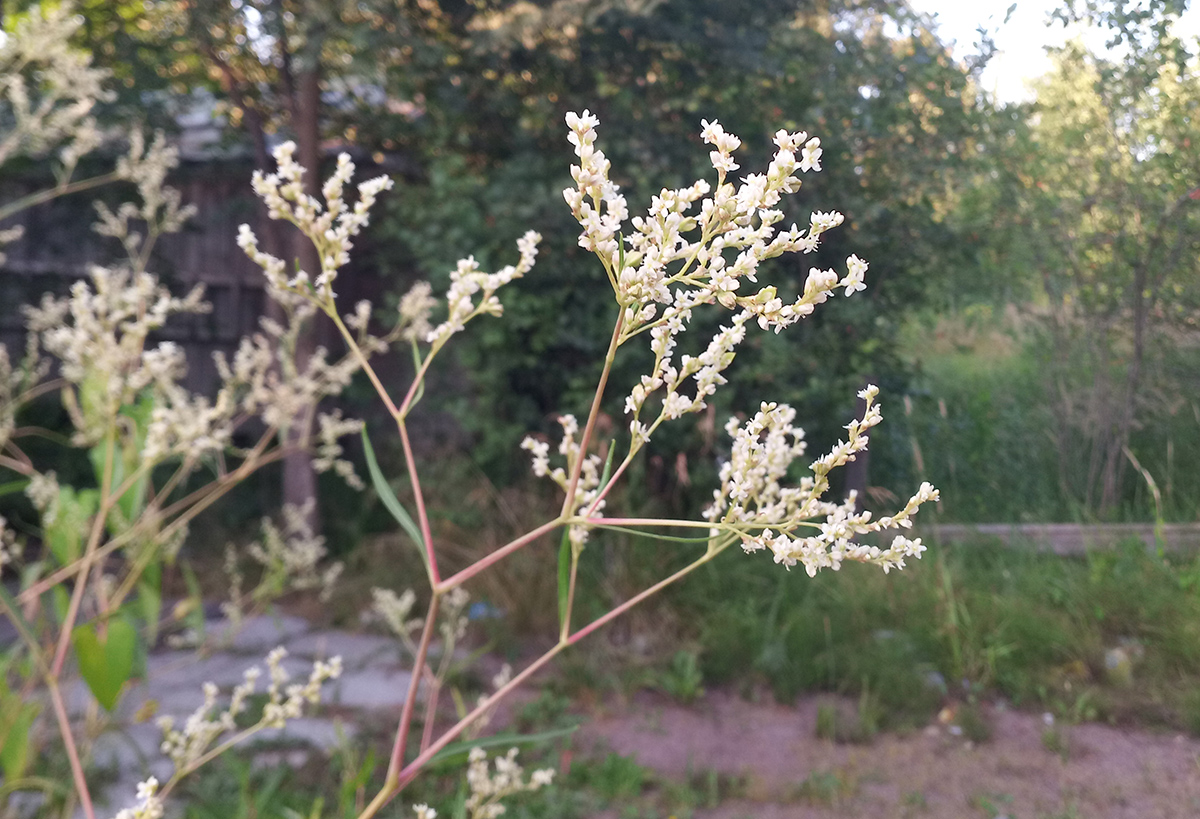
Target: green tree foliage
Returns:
[[1091, 217], [481, 105]]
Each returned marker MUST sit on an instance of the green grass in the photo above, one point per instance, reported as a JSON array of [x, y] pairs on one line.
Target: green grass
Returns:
[[969, 620]]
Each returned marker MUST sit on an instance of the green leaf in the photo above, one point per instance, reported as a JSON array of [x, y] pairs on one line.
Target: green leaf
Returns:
[[16, 718], [564, 575], [654, 536], [106, 663], [388, 497], [149, 599], [416, 354], [456, 752], [13, 487], [195, 613], [607, 473], [65, 534], [13, 611]]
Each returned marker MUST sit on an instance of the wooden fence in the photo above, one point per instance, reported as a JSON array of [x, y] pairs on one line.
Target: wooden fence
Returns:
[[59, 247]]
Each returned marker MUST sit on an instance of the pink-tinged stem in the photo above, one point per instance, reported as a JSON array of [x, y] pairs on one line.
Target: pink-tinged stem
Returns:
[[64, 728], [435, 688], [396, 782], [422, 517], [612, 480], [496, 556], [569, 501], [683, 524], [400, 413], [413, 768], [410, 699], [633, 601], [362, 361]]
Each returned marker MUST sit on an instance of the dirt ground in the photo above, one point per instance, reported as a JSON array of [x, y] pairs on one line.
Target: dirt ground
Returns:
[[1105, 773]]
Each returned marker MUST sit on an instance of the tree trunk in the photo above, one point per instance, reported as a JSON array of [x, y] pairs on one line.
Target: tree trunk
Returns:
[[299, 478]]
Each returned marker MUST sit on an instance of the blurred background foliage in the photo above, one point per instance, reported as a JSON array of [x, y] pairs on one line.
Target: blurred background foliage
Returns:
[[1031, 303], [1031, 315]]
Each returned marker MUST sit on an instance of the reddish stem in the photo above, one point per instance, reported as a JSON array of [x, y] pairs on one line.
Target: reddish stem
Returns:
[[422, 517], [64, 727], [496, 556], [410, 698]]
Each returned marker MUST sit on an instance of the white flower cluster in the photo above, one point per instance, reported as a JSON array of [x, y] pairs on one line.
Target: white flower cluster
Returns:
[[416, 306], [10, 549], [454, 617], [465, 281], [48, 88], [149, 806], [162, 210], [290, 557], [588, 488], [674, 259], [331, 427], [329, 226], [99, 334], [487, 788], [752, 495], [43, 493], [704, 369], [395, 611], [263, 380], [187, 746]]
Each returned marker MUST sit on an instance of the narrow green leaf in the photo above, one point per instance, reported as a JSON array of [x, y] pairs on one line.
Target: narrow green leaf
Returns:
[[106, 663], [607, 473], [12, 487], [652, 535], [457, 751], [13, 611], [564, 575], [416, 353], [390, 501], [150, 599], [15, 721], [195, 615]]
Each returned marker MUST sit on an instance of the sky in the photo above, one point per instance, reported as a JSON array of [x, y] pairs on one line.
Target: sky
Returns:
[[1021, 42]]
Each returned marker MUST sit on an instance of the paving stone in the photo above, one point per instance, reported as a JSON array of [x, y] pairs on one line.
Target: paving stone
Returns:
[[176, 685], [130, 749], [356, 650], [371, 688], [262, 633], [319, 733]]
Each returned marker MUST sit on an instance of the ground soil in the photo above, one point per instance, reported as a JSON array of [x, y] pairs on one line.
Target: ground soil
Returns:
[[1105, 772]]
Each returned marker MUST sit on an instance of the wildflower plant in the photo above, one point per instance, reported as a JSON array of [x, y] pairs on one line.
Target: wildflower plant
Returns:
[[696, 247], [88, 602]]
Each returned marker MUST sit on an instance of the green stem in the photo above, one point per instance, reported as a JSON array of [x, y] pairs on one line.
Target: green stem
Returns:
[[573, 484], [41, 197]]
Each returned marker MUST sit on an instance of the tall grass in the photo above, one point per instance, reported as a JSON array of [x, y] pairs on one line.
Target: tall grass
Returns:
[[966, 621]]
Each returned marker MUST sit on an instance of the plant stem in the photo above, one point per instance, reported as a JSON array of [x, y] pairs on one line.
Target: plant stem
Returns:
[[81, 581], [396, 783], [64, 728], [565, 629], [435, 576], [569, 502], [633, 601], [362, 360], [496, 556], [410, 699], [41, 197]]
